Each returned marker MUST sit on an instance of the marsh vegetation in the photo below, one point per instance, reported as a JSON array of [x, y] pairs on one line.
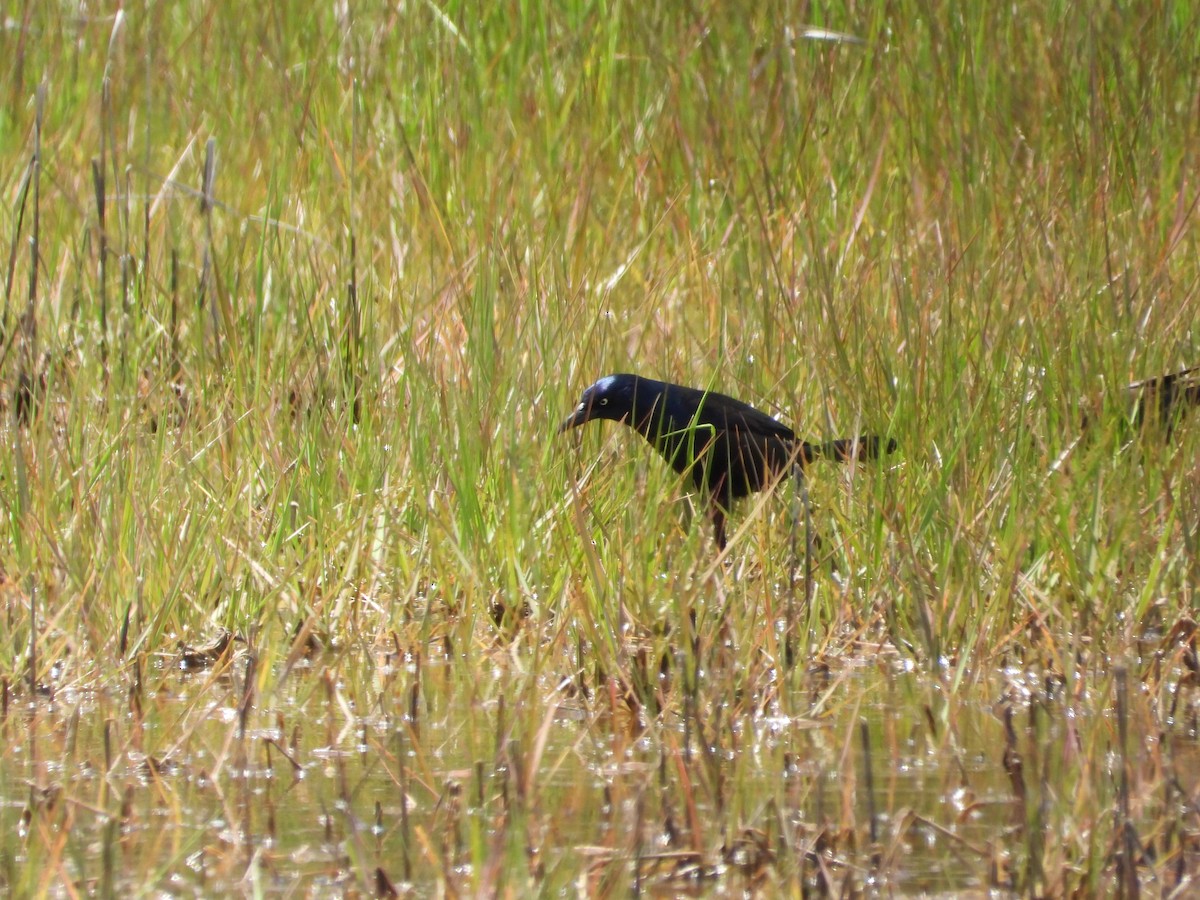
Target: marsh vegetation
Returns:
[[303, 594]]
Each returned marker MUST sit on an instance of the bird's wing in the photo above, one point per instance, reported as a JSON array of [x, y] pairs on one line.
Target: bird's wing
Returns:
[[726, 412]]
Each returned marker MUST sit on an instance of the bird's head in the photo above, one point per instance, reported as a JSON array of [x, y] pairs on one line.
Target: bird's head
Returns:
[[612, 397]]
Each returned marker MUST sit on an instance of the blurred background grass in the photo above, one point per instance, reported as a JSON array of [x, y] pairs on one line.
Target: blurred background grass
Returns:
[[331, 390]]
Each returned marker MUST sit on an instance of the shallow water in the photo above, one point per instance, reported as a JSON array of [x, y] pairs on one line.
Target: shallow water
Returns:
[[364, 772]]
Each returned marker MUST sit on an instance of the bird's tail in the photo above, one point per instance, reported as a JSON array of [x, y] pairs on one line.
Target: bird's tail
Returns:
[[865, 446]]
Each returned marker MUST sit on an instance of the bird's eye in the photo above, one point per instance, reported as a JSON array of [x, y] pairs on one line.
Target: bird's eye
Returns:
[[604, 401]]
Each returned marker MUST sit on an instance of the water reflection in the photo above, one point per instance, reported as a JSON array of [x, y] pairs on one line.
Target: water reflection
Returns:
[[380, 772]]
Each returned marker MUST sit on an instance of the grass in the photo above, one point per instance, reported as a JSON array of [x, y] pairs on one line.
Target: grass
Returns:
[[294, 300]]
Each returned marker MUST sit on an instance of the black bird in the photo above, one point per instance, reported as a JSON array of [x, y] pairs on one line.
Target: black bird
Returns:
[[730, 448], [1161, 400], [1156, 404]]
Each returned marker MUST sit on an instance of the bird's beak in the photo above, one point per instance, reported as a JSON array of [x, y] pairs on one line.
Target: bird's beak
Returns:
[[575, 419]]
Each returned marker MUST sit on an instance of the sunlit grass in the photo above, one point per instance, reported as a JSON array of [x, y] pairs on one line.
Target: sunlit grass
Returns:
[[308, 401]]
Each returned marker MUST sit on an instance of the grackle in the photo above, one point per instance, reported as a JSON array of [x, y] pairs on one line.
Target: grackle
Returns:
[[1162, 399], [731, 449], [1156, 405]]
